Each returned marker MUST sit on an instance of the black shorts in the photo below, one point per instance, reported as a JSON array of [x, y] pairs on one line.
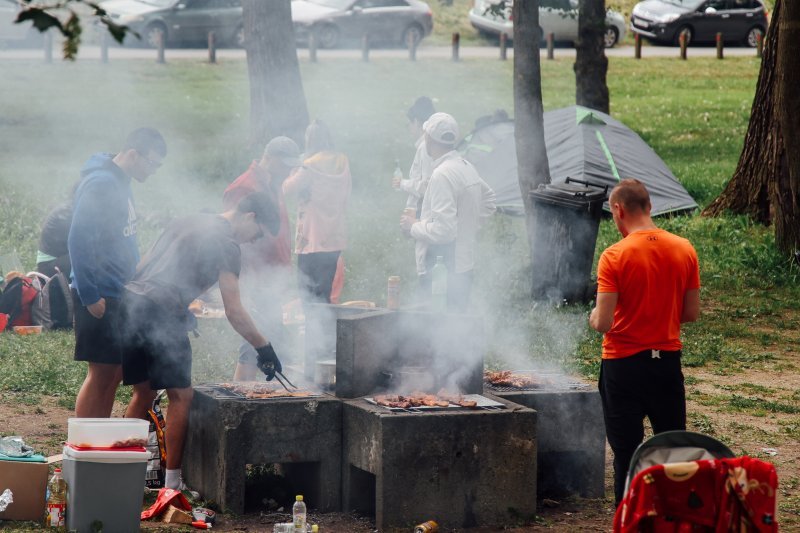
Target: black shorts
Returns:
[[156, 345], [97, 340]]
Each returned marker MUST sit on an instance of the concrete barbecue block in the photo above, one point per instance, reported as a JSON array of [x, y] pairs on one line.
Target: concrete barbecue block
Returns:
[[226, 435], [451, 347], [462, 468], [571, 437]]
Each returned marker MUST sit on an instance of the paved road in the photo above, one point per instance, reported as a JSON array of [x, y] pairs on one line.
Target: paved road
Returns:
[[424, 52]]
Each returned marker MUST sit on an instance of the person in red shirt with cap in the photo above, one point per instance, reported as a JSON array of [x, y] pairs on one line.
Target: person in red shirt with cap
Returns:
[[267, 262]]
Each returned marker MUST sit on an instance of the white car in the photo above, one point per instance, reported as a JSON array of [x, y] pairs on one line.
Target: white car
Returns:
[[559, 17]]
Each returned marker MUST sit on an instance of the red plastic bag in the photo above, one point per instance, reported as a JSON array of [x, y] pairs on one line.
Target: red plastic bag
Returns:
[[167, 497]]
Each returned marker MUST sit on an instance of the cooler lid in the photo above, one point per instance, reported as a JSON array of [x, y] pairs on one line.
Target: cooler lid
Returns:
[[106, 455]]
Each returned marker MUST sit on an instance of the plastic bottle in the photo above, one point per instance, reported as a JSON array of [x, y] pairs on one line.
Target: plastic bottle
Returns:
[[315, 528], [393, 293], [56, 507], [439, 285], [299, 514], [397, 176]]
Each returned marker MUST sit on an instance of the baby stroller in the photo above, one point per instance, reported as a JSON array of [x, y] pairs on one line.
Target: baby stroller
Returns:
[[681, 481]]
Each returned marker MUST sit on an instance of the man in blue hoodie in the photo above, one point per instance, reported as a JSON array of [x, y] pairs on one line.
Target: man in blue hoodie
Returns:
[[104, 252]]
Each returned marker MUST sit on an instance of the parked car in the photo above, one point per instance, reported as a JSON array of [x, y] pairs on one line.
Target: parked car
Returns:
[[743, 21], [559, 17], [335, 21], [179, 21]]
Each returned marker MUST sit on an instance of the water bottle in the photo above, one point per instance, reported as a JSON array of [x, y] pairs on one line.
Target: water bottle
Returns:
[[439, 284], [299, 514], [397, 177], [56, 507]]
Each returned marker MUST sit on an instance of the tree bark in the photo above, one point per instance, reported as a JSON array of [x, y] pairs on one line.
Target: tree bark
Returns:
[[787, 106], [532, 166], [277, 100], [753, 184], [591, 63]]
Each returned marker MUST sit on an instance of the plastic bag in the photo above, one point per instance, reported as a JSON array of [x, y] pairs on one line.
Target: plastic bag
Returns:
[[15, 447], [5, 499]]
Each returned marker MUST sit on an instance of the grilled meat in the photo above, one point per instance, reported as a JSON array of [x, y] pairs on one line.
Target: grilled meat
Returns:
[[507, 378], [260, 390]]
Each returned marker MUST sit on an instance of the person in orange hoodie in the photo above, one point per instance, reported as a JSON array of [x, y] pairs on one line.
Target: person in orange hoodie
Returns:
[[322, 188]]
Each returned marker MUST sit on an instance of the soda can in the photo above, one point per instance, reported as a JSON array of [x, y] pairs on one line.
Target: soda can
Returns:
[[427, 527]]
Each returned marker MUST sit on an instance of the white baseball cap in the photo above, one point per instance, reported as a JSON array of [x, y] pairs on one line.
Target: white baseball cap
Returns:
[[442, 128]]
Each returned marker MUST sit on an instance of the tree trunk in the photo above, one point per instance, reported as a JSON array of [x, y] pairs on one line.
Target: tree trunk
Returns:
[[591, 63], [753, 184], [277, 100], [787, 107], [532, 166]]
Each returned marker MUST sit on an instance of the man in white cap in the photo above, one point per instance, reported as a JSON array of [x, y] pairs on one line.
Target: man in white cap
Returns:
[[267, 262], [454, 203]]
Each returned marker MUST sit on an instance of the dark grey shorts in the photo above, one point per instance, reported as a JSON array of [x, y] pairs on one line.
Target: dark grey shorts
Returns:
[[156, 345], [97, 340]]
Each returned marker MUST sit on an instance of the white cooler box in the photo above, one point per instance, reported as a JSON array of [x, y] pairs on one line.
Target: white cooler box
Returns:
[[104, 488]]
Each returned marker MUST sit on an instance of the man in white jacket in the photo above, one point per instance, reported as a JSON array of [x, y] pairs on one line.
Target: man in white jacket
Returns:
[[454, 203]]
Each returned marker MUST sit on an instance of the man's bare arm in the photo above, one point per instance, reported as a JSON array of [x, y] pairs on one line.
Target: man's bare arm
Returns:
[[691, 306], [602, 316]]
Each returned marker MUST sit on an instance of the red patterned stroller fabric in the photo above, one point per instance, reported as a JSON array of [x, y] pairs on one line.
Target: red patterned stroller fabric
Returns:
[[727, 495]]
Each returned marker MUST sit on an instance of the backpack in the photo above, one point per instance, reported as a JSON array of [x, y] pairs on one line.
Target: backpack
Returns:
[[53, 309], [19, 297]]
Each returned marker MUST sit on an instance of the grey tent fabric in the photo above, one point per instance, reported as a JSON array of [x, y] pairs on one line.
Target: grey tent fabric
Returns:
[[582, 144]]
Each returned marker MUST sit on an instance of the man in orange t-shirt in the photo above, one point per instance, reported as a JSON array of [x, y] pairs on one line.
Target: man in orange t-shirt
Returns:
[[648, 284]]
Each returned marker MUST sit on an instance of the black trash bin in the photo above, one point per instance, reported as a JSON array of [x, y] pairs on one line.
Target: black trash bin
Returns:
[[566, 220]]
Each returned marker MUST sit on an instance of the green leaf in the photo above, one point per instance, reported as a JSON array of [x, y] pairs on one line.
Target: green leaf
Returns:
[[42, 20]]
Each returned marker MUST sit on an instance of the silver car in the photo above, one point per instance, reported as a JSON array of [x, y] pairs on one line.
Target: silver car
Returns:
[[559, 17], [335, 21]]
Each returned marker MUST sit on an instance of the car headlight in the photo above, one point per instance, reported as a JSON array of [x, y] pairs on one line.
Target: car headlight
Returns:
[[130, 19], [666, 19]]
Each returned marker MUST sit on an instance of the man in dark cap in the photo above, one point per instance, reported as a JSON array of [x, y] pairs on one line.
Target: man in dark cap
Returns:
[[267, 262], [191, 255], [104, 251]]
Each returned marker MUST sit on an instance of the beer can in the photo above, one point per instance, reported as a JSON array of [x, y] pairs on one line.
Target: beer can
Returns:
[[427, 527], [393, 293]]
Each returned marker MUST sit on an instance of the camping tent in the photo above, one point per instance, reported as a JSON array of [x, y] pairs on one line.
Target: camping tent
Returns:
[[583, 144]]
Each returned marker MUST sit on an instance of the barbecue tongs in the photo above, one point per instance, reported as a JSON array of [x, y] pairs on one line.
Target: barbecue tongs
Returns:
[[269, 368]]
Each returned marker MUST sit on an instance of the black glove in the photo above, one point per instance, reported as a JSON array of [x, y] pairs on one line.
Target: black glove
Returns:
[[268, 361]]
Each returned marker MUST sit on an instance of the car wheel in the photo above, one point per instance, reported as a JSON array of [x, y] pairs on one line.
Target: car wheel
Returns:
[[610, 37], [414, 33], [327, 36], [754, 34], [154, 34], [238, 37], [684, 30]]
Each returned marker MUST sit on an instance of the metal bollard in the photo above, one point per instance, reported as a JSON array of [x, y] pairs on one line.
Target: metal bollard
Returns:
[[719, 46], [759, 45], [104, 47], [682, 42], [161, 45], [48, 47], [503, 46], [365, 47], [312, 47], [637, 46], [412, 47], [550, 45], [212, 47], [456, 43]]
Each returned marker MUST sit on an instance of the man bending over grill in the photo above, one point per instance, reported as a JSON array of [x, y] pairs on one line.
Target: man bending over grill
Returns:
[[191, 255], [648, 285]]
